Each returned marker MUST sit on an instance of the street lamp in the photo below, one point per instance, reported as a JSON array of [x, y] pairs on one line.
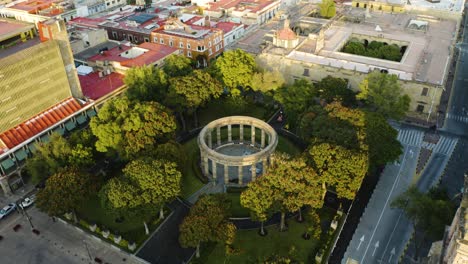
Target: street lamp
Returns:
[[25, 213]]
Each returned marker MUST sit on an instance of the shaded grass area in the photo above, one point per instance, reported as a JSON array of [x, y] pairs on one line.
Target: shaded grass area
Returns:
[[236, 208], [249, 247], [131, 229], [192, 178]]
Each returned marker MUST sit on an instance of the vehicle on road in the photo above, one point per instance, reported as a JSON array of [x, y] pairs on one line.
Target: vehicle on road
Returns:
[[7, 210], [28, 201]]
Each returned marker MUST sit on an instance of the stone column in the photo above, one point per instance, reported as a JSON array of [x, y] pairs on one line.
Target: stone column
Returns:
[[206, 168], [5, 186], [229, 133], [213, 169], [241, 133], [264, 165], [253, 171], [240, 174], [226, 174], [218, 135], [263, 138], [252, 135], [210, 143]]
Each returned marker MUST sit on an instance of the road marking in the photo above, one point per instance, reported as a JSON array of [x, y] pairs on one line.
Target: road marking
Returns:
[[360, 242], [391, 235], [385, 205], [376, 246], [391, 255]]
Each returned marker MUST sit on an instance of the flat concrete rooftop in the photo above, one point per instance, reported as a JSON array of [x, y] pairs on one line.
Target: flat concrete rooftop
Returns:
[[426, 57]]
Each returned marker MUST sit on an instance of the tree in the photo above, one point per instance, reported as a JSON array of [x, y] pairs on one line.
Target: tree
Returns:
[[130, 127], [146, 83], [235, 69], [314, 226], [65, 192], [171, 151], [207, 221], [147, 185], [355, 47], [177, 65], [258, 198], [267, 81], [335, 89], [383, 94], [327, 8], [430, 212], [390, 52], [341, 168], [295, 98], [192, 91], [294, 184], [56, 154]]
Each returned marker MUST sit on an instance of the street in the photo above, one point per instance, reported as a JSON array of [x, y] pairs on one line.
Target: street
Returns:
[[383, 232]]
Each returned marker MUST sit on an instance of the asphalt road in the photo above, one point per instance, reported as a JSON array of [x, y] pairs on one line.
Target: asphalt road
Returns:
[[456, 120]]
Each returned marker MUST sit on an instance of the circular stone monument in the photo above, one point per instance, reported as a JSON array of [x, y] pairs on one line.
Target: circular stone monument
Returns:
[[235, 150]]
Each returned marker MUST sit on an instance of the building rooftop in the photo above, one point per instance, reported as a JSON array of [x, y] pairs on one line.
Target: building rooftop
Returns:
[[43, 7], [35, 125], [176, 28], [90, 52], [226, 27], [426, 58], [10, 28], [95, 87], [145, 54], [447, 5], [252, 6]]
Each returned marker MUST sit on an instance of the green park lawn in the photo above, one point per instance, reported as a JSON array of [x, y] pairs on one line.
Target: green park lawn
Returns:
[[236, 208], [251, 248], [131, 229]]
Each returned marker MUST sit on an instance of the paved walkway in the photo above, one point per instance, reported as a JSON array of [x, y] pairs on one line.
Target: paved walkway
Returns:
[[163, 246]]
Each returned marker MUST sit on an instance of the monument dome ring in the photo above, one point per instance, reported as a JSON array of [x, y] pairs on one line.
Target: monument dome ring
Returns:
[[240, 159]]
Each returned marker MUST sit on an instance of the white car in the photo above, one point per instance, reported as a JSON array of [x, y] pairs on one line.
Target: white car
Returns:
[[7, 210], [28, 201]]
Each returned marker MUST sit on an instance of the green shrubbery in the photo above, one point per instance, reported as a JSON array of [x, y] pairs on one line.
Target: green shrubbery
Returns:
[[374, 49]]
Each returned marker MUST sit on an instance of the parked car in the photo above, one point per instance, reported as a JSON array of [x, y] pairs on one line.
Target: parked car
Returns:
[[7, 210], [28, 201]]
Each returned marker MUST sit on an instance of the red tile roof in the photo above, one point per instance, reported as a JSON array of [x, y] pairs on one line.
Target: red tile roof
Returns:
[[87, 22], [286, 34], [95, 87], [22, 132], [226, 27]]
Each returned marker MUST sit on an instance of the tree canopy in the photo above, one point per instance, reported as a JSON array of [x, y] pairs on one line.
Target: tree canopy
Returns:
[[258, 198], [130, 127], [295, 98], [207, 221], [146, 83], [335, 89], [327, 8], [65, 191], [384, 95], [235, 69], [267, 81], [177, 65]]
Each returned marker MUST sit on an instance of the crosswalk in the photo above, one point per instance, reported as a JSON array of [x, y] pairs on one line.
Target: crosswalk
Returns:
[[410, 137], [463, 119]]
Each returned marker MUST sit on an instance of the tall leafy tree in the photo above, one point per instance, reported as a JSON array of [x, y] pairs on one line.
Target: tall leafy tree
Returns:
[[130, 127], [343, 169], [65, 192], [327, 8], [266, 81], [294, 184], [146, 186], [207, 221], [192, 91], [384, 94], [258, 198], [177, 65], [335, 89], [146, 83], [295, 98], [235, 69]]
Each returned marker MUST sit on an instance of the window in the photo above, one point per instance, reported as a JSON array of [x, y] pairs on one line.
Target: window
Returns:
[[420, 108], [188, 46], [114, 34], [217, 47], [424, 91], [146, 39], [155, 39], [210, 51], [108, 3], [161, 41], [209, 44], [170, 43], [189, 54], [306, 72], [181, 45]]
